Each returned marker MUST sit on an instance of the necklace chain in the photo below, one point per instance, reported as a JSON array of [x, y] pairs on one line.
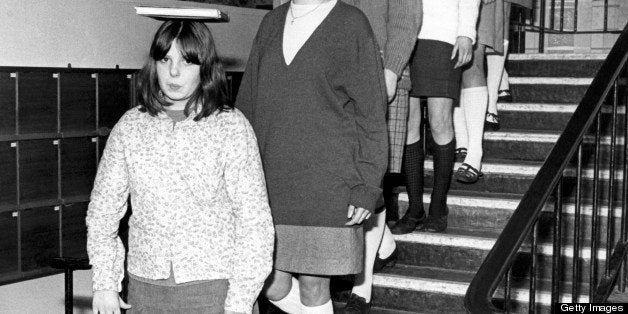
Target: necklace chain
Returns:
[[306, 13]]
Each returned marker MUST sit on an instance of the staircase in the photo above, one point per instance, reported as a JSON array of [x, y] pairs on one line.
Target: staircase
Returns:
[[434, 270]]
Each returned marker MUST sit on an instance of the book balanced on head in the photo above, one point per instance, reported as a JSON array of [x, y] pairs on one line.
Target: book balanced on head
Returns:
[[161, 13]]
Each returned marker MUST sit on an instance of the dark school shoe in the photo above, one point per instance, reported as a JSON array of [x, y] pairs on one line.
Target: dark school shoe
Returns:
[[435, 224], [407, 224], [390, 261], [357, 305]]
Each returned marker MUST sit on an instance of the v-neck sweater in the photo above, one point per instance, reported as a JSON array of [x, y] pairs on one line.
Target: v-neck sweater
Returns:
[[320, 121], [301, 22]]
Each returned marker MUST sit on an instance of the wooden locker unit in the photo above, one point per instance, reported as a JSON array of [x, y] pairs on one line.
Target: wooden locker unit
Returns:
[[50, 138]]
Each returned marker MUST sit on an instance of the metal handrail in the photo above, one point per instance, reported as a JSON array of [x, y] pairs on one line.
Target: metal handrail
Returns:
[[479, 295]]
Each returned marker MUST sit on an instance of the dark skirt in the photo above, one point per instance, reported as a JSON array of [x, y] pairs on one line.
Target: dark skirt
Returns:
[[319, 250], [432, 71], [493, 25], [204, 297]]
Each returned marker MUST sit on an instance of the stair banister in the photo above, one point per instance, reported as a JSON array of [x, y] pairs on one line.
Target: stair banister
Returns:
[[478, 298]]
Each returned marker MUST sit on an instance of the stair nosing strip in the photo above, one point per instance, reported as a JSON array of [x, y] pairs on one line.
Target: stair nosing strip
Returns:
[[486, 244], [532, 170], [458, 288], [557, 56], [547, 108], [420, 284], [515, 136], [505, 204], [550, 81], [536, 107], [521, 137]]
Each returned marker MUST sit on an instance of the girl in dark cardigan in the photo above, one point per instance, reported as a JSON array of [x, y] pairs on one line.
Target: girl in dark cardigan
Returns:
[[314, 92]]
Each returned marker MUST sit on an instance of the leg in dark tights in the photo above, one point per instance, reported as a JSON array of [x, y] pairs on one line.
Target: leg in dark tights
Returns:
[[413, 159], [444, 156], [440, 118]]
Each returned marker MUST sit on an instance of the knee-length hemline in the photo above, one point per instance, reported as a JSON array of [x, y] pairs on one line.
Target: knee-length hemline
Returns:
[[319, 250]]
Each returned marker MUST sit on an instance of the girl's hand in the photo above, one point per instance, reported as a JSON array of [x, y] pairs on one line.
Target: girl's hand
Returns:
[[357, 215], [108, 302], [463, 49]]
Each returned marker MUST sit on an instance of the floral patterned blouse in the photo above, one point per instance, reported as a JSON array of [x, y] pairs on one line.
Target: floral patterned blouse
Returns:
[[199, 204]]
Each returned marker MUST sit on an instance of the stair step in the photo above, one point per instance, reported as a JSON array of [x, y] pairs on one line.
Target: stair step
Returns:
[[475, 211], [547, 93], [536, 145], [504, 176], [554, 65], [480, 240], [439, 290], [508, 202], [465, 250], [548, 117]]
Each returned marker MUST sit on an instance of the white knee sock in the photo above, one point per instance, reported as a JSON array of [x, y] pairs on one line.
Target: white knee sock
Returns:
[[373, 233], [494, 73], [388, 245], [326, 308], [460, 126], [291, 303], [474, 105]]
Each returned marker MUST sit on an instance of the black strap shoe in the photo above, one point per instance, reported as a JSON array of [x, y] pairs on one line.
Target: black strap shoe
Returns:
[[381, 263], [357, 305], [435, 224], [407, 224]]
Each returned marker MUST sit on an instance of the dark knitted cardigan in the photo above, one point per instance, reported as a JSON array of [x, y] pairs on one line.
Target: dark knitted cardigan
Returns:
[[320, 121], [396, 24]]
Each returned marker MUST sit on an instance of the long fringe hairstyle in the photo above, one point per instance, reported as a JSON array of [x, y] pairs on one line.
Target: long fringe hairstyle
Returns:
[[197, 46]]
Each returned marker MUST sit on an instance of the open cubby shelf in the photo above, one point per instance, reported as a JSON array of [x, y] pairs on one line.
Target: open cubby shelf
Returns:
[[54, 124]]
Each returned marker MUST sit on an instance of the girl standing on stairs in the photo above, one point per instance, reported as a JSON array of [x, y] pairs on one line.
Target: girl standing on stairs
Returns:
[[445, 44], [469, 117], [315, 94], [496, 75], [396, 25], [201, 233]]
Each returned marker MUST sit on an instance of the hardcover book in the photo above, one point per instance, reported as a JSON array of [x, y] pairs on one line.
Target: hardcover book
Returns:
[[162, 13]]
